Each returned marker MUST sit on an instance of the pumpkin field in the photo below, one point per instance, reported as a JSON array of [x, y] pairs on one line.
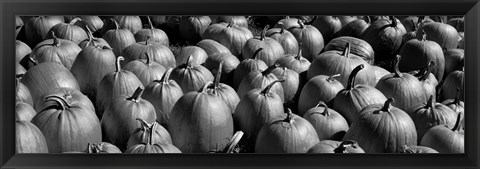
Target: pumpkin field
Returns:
[[239, 84]]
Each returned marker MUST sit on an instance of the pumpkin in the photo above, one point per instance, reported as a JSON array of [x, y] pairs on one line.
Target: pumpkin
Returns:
[[47, 76], [163, 94], [338, 62], [118, 38], [411, 34], [405, 88], [454, 60], [257, 108], [327, 25], [353, 98], [230, 63], [156, 35], [191, 77], [90, 66], [114, 84], [428, 80], [410, 23], [461, 43], [24, 111], [68, 31], [158, 20], [257, 79], [287, 23], [320, 88], [191, 28], [152, 148], [103, 147], [416, 52], [385, 37], [446, 140], [295, 62], [22, 92], [382, 128], [198, 54], [142, 134], [212, 47], [21, 50], [188, 127], [358, 47], [232, 146], [19, 69], [224, 91], [430, 114], [92, 41], [354, 28], [379, 72], [457, 23], [28, 138], [56, 50], [456, 105], [445, 35], [36, 28], [272, 50], [288, 134], [230, 35], [418, 150], [145, 69], [310, 38], [246, 66], [328, 123], [331, 146], [119, 120], [291, 85], [285, 38], [131, 23], [344, 19], [237, 20], [454, 80], [94, 23], [159, 53], [67, 119], [18, 25]]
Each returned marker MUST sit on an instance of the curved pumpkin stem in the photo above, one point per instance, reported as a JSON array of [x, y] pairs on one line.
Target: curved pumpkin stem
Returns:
[[150, 23], [269, 69], [344, 145], [147, 40], [397, 70], [60, 100], [74, 20], [118, 67], [289, 118], [302, 26], [325, 111], [150, 128], [428, 70], [386, 106], [136, 95], [282, 28], [116, 24], [264, 31], [205, 87], [267, 89], [256, 53], [331, 78], [33, 60], [394, 21], [90, 36], [166, 76], [351, 78], [218, 75], [149, 59], [56, 42], [346, 51], [430, 102], [458, 123], [233, 142], [299, 53]]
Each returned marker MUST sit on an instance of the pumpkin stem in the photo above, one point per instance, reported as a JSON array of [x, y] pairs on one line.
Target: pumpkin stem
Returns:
[[118, 66], [428, 70], [149, 59], [424, 35], [33, 60], [282, 28], [267, 89], [116, 24], [351, 78], [74, 20], [301, 24], [325, 111], [289, 118], [219, 74], [150, 23], [397, 70], [256, 53], [407, 149], [60, 100], [166, 76], [415, 27], [89, 148], [147, 128], [269, 69], [146, 41], [90, 35], [233, 142], [394, 21], [386, 106], [458, 123], [56, 42], [367, 19], [299, 53], [344, 145], [264, 31], [346, 51], [331, 78], [136, 95], [205, 87]]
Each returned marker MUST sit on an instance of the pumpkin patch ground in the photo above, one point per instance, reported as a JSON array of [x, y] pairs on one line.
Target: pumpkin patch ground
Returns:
[[240, 84]]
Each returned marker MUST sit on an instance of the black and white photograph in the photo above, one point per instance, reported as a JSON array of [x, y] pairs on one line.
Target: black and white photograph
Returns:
[[137, 84]]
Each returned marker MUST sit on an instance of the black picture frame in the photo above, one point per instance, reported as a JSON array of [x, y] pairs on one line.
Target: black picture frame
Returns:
[[10, 8]]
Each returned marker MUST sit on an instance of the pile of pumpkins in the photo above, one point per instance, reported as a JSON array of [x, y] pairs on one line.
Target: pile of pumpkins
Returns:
[[301, 84]]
